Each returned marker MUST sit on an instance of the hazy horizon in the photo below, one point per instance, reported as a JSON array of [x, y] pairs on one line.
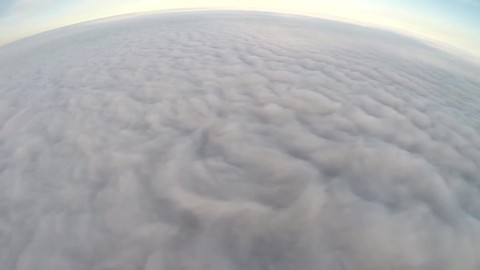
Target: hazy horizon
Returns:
[[453, 23]]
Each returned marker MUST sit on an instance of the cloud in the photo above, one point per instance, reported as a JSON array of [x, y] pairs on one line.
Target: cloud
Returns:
[[232, 140]]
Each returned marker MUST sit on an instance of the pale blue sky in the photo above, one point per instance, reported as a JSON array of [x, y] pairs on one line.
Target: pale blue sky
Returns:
[[450, 22]]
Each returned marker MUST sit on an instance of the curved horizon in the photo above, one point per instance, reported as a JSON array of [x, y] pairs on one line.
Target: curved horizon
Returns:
[[451, 24]]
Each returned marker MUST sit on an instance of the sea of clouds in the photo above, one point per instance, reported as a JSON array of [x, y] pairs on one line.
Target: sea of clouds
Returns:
[[237, 141]]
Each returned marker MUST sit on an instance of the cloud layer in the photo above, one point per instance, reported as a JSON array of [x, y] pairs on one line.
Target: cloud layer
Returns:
[[228, 140]]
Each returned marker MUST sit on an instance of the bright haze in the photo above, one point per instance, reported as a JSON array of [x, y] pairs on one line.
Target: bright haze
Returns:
[[452, 23], [239, 140]]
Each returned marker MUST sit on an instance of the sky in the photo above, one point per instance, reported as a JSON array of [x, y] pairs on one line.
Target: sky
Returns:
[[452, 23]]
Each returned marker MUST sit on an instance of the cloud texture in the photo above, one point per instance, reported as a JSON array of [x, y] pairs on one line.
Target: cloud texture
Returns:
[[229, 140]]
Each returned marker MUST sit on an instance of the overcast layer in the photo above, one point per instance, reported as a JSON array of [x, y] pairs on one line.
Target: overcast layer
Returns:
[[236, 141]]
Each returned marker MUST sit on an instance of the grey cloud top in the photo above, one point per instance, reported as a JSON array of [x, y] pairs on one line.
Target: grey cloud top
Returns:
[[233, 140]]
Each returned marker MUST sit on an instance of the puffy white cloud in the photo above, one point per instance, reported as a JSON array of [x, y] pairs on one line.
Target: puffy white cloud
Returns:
[[228, 140]]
